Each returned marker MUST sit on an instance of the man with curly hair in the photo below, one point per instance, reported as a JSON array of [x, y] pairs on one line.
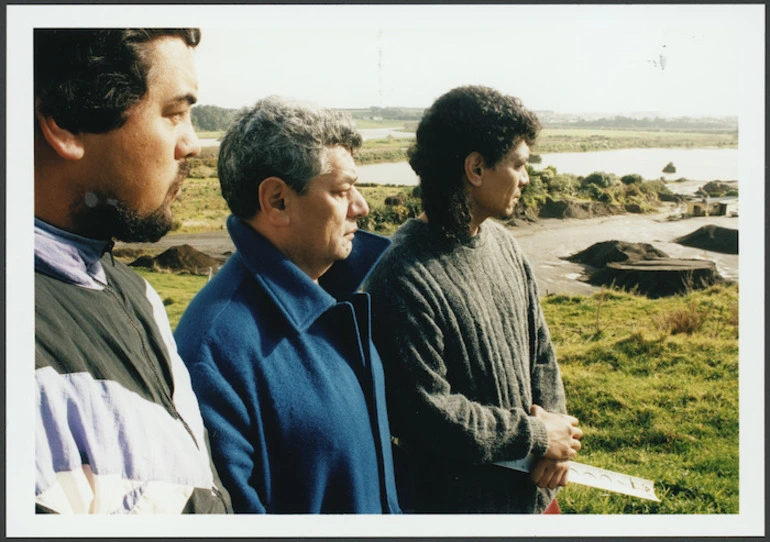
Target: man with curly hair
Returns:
[[118, 429], [471, 374]]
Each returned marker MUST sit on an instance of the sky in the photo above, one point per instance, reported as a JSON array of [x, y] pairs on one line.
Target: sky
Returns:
[[616, 59], [676, 60]]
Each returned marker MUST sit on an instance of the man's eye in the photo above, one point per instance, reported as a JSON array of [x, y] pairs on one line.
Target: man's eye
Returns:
[[177, 115]]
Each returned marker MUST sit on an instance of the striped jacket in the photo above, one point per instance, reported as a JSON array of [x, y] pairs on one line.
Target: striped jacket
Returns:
[[118, 427]]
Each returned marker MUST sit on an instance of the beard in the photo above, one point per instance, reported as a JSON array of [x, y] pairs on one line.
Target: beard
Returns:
[[112, 218]]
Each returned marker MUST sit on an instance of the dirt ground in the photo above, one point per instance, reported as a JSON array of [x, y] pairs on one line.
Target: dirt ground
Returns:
[[547, 241]]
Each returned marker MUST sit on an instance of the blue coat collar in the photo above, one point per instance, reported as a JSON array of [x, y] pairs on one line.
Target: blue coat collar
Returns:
[[300, 299]]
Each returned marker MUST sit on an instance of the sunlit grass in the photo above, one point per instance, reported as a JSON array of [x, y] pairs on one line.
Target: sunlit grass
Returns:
[[652, 404]]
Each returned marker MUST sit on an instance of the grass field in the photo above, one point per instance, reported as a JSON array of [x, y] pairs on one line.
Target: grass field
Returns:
[[654, 384], [579, 140], [200, 206], [571, 140], [549, 140]]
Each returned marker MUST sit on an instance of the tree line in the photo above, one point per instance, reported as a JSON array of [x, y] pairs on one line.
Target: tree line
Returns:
[[212, 118]]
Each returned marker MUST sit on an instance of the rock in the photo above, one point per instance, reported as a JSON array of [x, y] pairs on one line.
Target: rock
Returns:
[[712, 238]]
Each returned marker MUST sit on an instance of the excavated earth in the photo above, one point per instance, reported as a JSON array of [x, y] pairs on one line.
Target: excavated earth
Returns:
[[182, 258], [642, 268], [713, 238]]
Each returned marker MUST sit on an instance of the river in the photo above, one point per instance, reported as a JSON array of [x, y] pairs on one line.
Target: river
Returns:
[[695, 164]]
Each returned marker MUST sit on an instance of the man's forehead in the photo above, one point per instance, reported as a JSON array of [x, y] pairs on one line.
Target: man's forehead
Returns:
[[520, 150], [171, 64], [340, 162]]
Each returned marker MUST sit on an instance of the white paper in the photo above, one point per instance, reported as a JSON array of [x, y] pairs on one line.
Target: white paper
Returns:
[[587, 475]]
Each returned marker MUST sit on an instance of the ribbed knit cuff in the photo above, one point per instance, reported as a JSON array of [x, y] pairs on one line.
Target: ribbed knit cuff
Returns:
[[539, 437]]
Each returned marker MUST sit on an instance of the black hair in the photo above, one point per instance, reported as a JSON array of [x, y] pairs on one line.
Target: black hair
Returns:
[[464, 120], [86, 79]]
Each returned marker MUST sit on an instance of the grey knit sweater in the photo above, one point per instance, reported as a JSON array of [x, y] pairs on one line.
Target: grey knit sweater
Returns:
[[466, 352]]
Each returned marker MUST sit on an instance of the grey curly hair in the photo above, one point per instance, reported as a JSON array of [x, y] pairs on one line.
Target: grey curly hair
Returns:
[[283, 138]]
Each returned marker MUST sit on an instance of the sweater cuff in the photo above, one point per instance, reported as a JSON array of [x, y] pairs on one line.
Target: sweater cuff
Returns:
[[539, 437]]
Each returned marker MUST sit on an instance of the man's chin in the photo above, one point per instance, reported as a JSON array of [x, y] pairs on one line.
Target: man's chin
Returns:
[[149, 229]]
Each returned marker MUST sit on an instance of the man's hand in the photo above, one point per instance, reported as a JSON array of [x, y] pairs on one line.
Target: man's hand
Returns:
[[563, 433], [549, 473]]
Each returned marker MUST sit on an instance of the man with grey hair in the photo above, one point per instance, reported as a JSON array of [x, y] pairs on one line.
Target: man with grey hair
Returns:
[[278, 343]]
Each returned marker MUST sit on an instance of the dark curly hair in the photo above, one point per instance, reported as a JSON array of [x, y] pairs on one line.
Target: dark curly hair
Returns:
[[464, 120], [86, 79]]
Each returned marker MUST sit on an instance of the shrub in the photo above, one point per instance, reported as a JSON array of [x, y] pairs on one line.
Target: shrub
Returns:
[[686, 320], [562, 184], [670, 168], [632, 179], [535, 193], [599, 178], [395, 199]]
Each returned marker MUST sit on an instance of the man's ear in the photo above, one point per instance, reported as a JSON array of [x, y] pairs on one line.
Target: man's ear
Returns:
[[62, 141], [474, 168], [272, 194]]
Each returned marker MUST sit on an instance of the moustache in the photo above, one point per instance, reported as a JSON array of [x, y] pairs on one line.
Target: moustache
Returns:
[[184, 170]]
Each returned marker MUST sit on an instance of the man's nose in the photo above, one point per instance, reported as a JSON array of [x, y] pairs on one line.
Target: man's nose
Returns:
[[524, 181], [358, 206], [188, 145]]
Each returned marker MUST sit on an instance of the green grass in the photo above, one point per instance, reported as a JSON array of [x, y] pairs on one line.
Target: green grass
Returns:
[[550, 140], [582, 139], [362, 124], [656, 399], [200, 206], [653, 403], [389, 149], [554, 140], [176, 290]]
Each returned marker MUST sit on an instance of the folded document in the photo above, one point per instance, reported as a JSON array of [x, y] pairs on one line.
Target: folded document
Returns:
[[595, 477]]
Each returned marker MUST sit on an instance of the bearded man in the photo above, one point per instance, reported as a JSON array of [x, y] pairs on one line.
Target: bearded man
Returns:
[[118, 427]]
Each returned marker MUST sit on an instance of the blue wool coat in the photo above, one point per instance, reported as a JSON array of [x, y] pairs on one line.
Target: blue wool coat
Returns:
[[290, 386]]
